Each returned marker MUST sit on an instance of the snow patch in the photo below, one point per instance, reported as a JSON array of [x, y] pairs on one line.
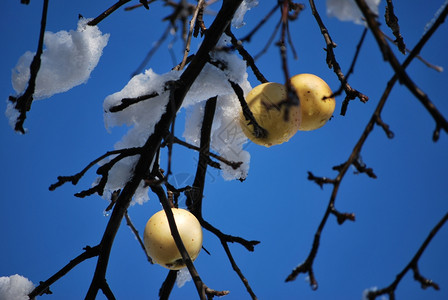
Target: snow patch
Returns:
[[227, 138], [348, 10], [15, 287], [67, 60], [238, 18]]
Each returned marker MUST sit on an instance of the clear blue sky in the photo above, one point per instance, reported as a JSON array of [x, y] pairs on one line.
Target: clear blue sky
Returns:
[[42, 230]]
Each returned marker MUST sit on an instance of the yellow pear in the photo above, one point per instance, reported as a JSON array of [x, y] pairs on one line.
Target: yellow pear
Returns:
[[160, 244], [265, 102], [317, 102]]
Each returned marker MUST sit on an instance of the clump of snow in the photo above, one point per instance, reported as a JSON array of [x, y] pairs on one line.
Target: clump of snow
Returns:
[[141, 118], [227, 137], [366, 292], [183, 276], [11, 113], [67, 60], [15, 287], [348, 10], [238, 18]]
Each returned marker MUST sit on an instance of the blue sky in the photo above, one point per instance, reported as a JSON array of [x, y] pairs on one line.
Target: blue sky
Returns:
[[42, 230]]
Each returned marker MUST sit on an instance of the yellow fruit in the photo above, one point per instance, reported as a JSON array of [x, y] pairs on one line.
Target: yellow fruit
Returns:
[[264, 102], [160, 244], [316, 107]]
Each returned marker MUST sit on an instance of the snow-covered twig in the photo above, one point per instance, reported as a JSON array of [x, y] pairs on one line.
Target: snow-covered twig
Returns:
[[23, 102], [122, 153]]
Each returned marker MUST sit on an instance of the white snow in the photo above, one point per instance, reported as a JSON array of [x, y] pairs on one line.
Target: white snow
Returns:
[[11, 113], [238, 18], [15, 287], [372, 289], [141, 118], [348, 10], [67, 60], [183, 276], [227, 137]]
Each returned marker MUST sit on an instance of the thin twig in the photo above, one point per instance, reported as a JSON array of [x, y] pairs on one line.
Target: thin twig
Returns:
[[424, 61], [24, 101], [259, 132], [153, 50], [246, 56], [269, 42], [126, 102], [350, 92], [137, 235], [412, 265], [199, 6], [44, 286], [248, 37], [392, 22], [233, 164], [75, 178], [107, 12], [167, 285]]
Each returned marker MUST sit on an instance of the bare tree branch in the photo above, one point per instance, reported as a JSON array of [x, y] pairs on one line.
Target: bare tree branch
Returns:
[[24, 101], [44, 287], [107, 12], [403, 77], [151, 146], [412, 265], [333, 64], [307, 265]]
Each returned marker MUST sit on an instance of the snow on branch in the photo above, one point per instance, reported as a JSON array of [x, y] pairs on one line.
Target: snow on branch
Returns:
[[66, 62], [347, 10]]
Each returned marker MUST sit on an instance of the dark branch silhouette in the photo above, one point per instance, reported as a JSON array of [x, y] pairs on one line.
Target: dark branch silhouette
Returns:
[[413, 265], [24, 101], [147, 169], [307, 266]]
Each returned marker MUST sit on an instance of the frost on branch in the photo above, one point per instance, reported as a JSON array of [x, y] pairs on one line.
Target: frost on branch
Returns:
[[67, 61], [15, 287], [226, 138], [347, 10], [238, 19]]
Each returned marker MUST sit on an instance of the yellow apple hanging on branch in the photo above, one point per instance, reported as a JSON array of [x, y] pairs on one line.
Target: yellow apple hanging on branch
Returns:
[[267, 104], [317, 101], [160, 244]]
